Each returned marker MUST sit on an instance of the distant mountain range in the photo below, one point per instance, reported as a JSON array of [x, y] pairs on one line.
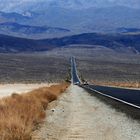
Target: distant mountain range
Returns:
[[87, 20], [73, 20], [117, 42], [16, 29], [127, 30], [57, 23], [12, 17]]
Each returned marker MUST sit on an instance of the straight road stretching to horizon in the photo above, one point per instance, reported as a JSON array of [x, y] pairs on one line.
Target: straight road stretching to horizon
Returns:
[[74, 76], [77, 115], [128, 96]]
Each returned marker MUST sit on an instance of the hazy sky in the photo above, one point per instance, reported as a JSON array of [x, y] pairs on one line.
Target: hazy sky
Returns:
[[9, 5]]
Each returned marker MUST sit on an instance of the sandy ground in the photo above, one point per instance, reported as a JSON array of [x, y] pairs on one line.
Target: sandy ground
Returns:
[[8, 89], [79, 116]]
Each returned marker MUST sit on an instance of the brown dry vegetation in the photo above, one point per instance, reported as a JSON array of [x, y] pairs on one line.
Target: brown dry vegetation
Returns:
[[130, 84], [21, 114]]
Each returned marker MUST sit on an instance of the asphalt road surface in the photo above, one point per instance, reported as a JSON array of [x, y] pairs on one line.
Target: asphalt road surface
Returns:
[[74, 76], [128, 96]]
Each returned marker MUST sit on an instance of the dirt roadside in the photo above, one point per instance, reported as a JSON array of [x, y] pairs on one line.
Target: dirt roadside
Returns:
[[79, 116]]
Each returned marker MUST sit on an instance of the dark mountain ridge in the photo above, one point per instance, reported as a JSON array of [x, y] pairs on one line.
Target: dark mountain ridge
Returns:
[[112, 41], [16, 29]]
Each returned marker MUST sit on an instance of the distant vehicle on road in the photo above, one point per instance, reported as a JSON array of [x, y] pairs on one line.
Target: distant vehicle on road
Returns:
[[85, 83], [76, 83]]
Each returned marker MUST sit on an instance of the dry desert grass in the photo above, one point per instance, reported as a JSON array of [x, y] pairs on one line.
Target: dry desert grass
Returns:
[[21, 114], [129, 84]]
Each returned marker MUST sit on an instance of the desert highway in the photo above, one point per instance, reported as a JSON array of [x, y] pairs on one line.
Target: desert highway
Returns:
[[74, 76], [127, 96]]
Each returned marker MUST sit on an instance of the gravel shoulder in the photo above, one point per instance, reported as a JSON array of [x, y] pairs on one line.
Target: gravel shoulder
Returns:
[[78, 116]]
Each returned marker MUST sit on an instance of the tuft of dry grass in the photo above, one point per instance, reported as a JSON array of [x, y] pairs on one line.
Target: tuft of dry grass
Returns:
[[128, 84], [21, 114]]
